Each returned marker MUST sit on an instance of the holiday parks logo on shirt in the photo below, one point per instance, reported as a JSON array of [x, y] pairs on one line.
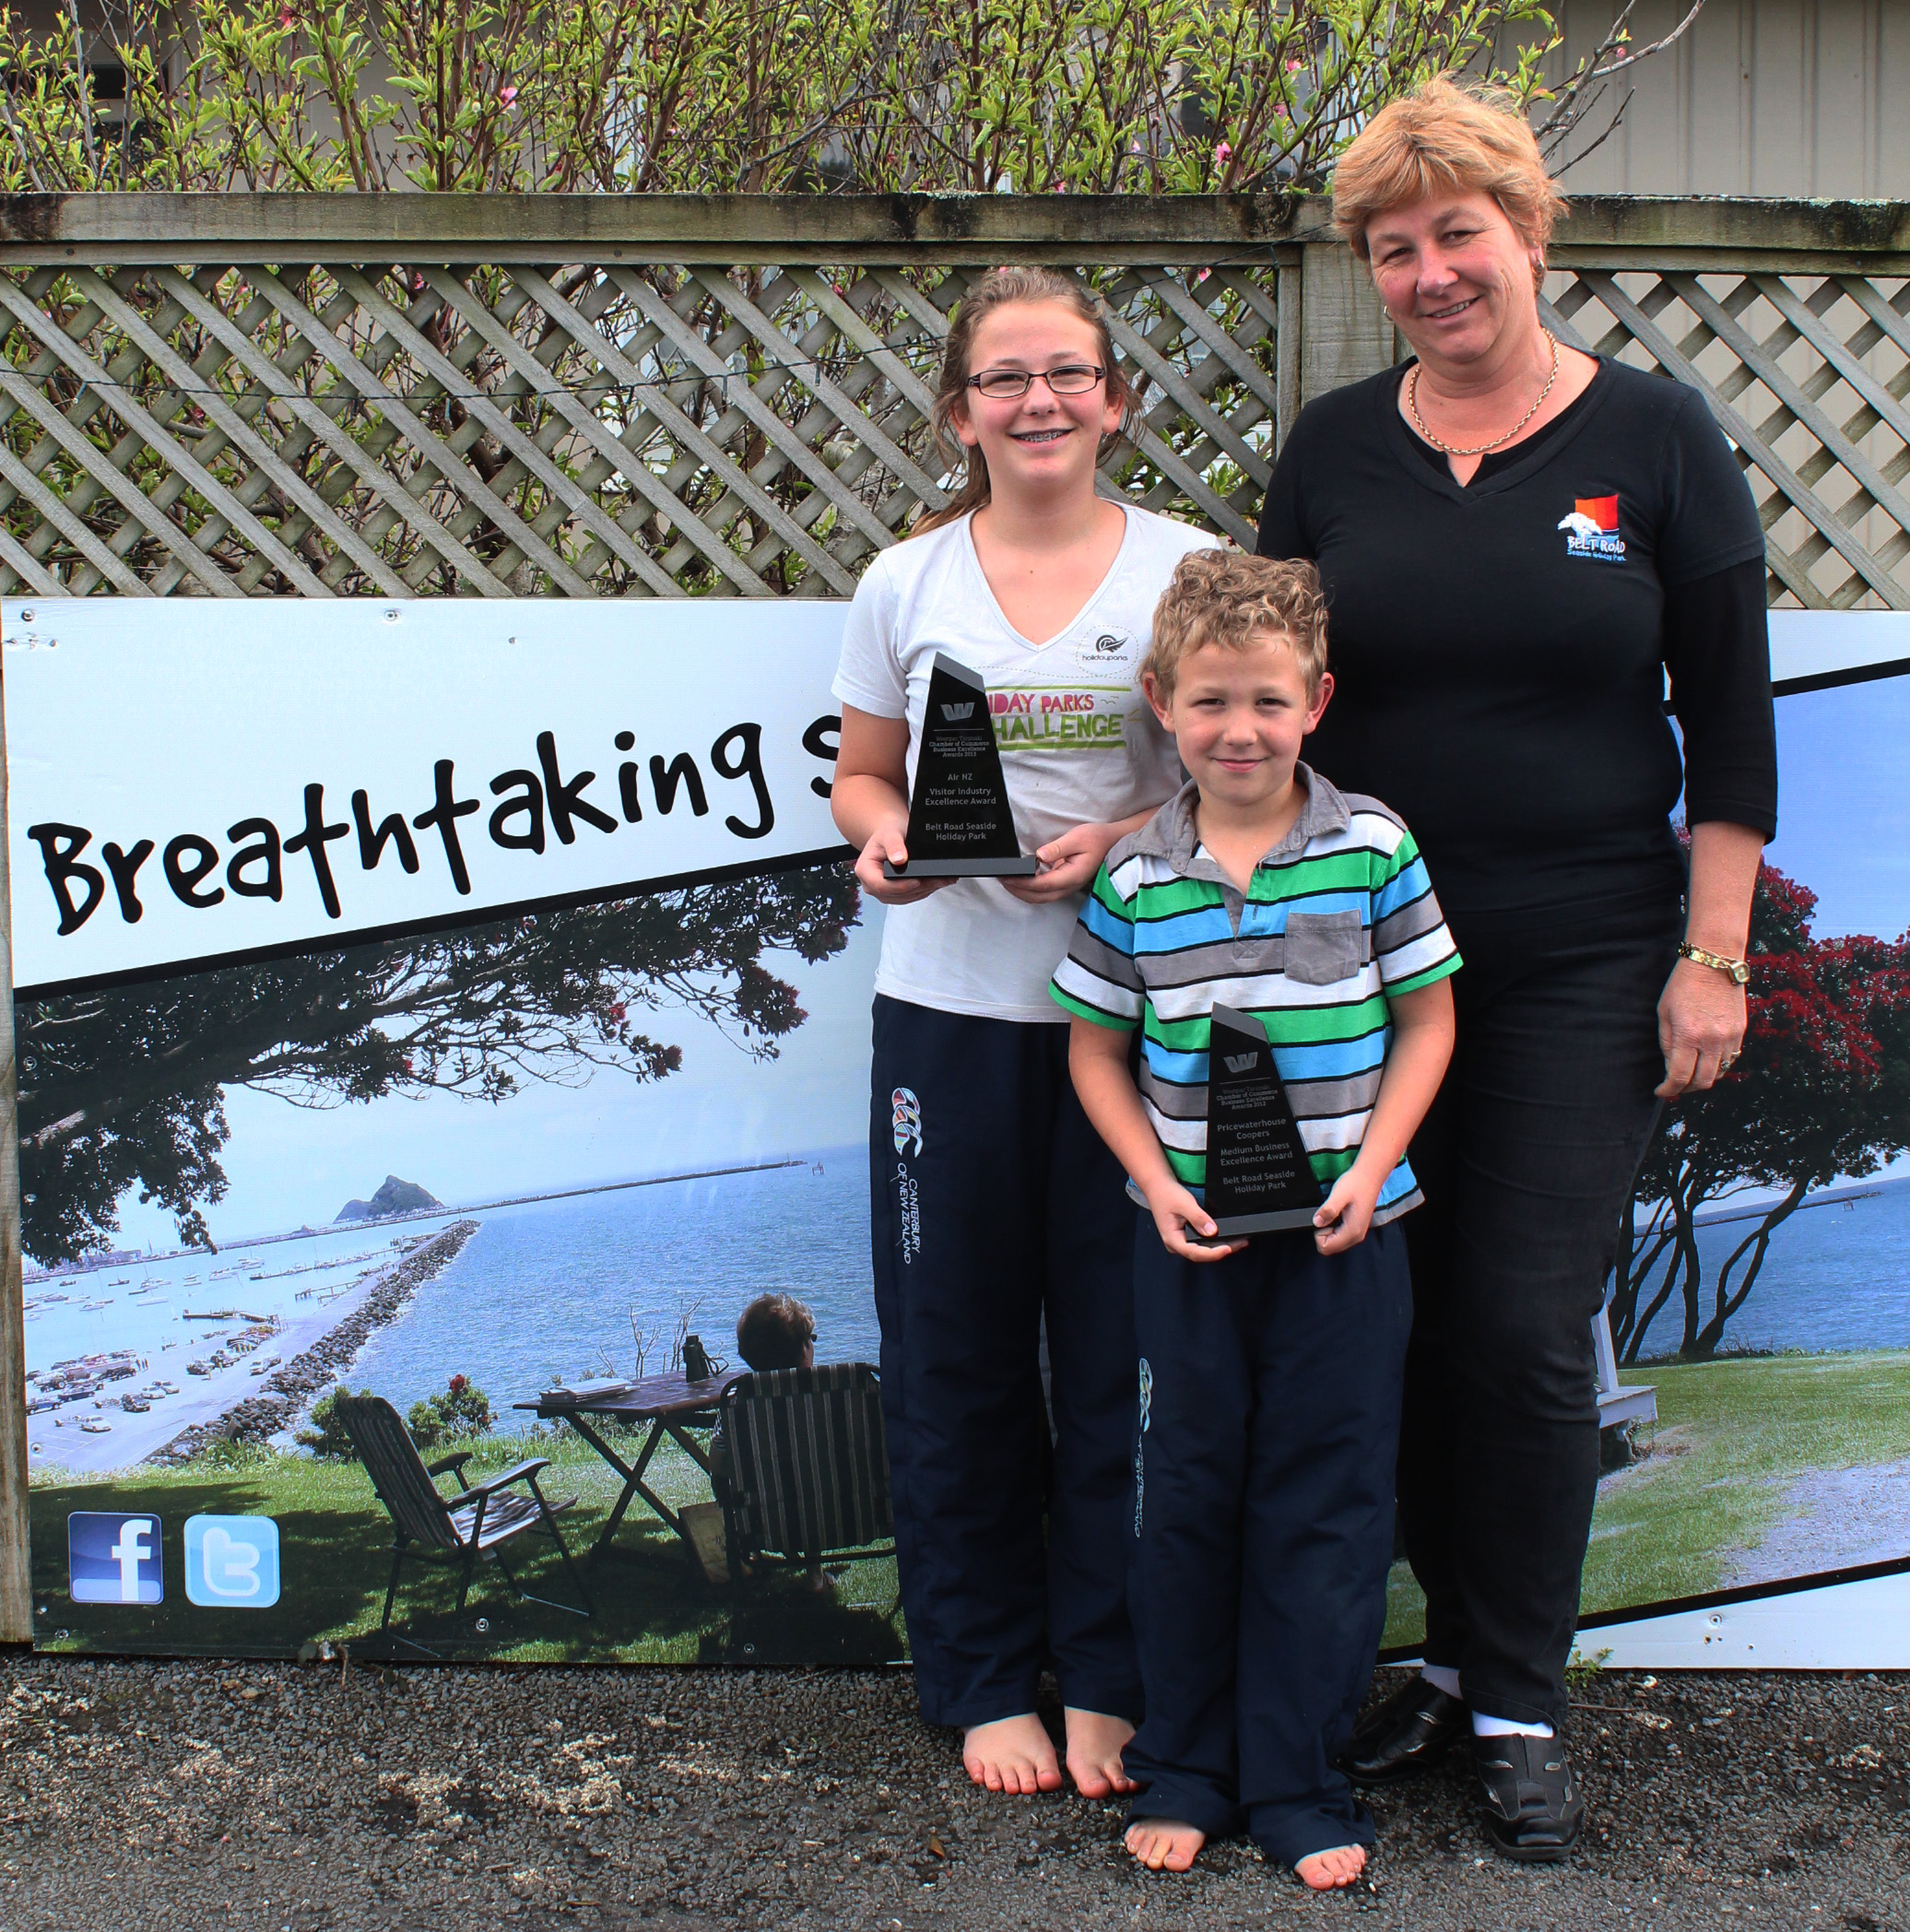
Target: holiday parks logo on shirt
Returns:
[[1062, 717], [1104, 651], [1591, 530]]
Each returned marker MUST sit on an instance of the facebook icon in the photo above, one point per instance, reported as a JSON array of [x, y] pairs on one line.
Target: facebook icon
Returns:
[[113, 1558]]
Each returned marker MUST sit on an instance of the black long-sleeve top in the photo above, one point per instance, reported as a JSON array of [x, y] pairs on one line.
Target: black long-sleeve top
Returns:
[[1500, 649]]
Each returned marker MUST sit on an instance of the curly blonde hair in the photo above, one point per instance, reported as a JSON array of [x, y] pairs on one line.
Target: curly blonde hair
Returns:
[[1227, 597], [1444, 139]]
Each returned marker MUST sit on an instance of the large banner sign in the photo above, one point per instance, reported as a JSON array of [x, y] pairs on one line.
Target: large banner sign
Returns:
[[266, 778], [440, 1024]]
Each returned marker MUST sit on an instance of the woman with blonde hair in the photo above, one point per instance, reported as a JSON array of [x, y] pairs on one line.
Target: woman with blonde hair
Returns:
[[994, 1201], [1521, 542]]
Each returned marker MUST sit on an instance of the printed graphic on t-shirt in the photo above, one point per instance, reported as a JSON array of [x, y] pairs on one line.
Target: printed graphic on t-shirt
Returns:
[[1591, 530], [1104, 649], [1047, 717]]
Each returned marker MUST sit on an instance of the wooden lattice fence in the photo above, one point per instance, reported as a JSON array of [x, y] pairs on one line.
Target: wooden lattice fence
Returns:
[[1808, 374], [212, 395], [592, 427]]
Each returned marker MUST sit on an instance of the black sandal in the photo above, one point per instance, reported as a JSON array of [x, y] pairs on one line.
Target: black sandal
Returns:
[[1534, 1809], [1409, 1733]]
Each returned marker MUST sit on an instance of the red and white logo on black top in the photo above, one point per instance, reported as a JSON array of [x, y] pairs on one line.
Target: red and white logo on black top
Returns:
[[1591, 530]]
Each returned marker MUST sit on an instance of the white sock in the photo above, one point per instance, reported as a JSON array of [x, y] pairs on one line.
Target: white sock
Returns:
[[1442, 1677], [1484, 1726]]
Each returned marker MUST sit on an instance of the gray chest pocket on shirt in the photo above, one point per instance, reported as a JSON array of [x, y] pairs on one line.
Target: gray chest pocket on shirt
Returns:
[[1323, 947]]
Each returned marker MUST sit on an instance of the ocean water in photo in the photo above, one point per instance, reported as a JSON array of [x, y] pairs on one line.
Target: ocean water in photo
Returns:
[[547, 1290], [1836, 1276]]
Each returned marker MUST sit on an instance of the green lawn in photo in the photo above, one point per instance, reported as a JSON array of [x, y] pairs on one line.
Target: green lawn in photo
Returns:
[[1732, 1439], [650, 1604]]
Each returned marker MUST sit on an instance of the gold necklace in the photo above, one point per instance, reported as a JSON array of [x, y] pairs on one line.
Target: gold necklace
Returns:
[[1480, 449]]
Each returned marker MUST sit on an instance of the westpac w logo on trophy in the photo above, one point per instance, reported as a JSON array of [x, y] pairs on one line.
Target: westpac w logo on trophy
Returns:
[[1240, 1063], [955, 713]]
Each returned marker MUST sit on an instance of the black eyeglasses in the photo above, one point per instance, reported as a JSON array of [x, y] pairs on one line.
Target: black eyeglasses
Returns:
[[1008, 385]]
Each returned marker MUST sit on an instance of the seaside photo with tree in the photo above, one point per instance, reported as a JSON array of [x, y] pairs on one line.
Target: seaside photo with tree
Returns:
[[526, 1053], [1822, 1095], [125, 1090]]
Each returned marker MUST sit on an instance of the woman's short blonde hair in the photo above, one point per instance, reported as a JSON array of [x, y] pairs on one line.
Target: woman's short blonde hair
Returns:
[[1446, 139], [1224, 596]]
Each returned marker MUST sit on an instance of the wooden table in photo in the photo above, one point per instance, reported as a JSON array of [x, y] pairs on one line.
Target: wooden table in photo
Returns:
[[670, 1403]]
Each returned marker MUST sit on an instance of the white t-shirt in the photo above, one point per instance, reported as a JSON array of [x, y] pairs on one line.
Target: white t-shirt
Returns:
[[1078, 744]]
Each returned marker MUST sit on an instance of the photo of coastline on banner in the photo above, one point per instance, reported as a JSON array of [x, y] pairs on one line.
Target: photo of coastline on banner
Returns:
[[438, 1022]]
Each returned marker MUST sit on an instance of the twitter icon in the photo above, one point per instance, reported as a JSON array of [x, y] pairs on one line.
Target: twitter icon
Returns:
[[231, 1563]]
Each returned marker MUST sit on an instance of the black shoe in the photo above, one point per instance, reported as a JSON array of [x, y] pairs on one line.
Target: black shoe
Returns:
[[1410, 1732], [1534, 1809]]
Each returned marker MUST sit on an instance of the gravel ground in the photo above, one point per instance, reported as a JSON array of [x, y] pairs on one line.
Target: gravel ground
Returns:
[[187, 1794]]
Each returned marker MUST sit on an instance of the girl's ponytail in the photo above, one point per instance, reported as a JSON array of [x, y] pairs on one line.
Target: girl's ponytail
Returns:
[[994, 290]]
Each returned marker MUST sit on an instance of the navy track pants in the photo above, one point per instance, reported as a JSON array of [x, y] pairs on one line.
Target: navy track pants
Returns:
[[993, 1201], [1262, 1528]]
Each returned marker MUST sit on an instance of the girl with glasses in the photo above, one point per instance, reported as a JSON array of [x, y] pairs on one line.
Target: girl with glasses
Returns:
[[995, 1203]]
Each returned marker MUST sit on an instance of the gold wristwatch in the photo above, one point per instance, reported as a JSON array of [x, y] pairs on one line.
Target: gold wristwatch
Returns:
[[1736, 971]]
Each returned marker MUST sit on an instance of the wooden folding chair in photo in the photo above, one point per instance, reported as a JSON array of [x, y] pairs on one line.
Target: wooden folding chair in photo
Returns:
[[810, 1469], [479, 1520]]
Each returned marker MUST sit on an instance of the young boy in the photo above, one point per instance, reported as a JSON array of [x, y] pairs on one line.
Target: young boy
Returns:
[[1270, 1369]]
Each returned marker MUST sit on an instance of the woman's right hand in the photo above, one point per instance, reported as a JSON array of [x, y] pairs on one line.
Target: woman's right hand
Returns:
[[889, 840], [1175, 1212]]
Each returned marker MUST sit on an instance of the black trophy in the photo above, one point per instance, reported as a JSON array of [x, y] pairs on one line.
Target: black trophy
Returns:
[[959, 824], [1258, 1176]]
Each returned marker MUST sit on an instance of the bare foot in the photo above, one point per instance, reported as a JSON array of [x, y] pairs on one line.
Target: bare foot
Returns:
[[1094, 1741], [1013, 1755], [1164, 1843], [1329, 1871]]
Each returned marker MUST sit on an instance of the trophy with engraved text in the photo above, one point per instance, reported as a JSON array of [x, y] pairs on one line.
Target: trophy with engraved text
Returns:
[[960, 823]]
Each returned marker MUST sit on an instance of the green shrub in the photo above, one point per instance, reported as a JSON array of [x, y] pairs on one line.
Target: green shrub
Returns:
[[327, 1438], [464, 1409], [226, 1453]]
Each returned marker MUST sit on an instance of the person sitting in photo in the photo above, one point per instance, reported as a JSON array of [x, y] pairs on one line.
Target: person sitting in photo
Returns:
[[775, 1331], [1269, 1371]]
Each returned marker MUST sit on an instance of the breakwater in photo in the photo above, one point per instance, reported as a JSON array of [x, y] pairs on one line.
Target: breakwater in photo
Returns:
[[262, 1416]]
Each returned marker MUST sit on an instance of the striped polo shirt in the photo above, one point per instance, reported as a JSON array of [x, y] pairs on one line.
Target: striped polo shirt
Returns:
[[1340, 914]]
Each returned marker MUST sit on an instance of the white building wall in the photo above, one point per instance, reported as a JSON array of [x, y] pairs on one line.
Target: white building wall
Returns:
[[1761, 97]]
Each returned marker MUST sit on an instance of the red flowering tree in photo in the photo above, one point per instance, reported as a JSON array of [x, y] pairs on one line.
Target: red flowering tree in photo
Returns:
[[1822, 1093]]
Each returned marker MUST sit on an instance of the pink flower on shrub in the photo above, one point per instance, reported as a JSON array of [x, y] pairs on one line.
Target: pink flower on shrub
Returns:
[[507, 95], [1223, 154]]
